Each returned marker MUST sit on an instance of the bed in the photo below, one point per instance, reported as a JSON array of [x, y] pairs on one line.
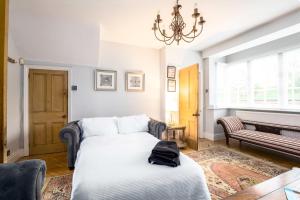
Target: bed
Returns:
[[115, 167]]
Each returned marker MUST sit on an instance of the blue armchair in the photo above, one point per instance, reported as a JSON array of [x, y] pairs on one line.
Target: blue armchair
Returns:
[[22, 180]]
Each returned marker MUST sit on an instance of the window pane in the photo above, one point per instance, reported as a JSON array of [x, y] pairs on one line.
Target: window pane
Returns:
[[290, 95], [272, 95], [243, 96], [290, 78], [233, 96], [297, 79], [259, 96], [265, 78], [237, 83], [220, 84], [291, 63], [297, 94]]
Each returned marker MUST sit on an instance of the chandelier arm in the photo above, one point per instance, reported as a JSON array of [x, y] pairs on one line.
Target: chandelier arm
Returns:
[[188, 41], [170, 42], [200, 31], [166, 39], [161, 40], [195, 34], [165, 35], [158, 26], [192, 29]]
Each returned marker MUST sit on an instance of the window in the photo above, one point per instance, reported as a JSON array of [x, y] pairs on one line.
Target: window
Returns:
[[291, 62], [220, 87], [267, 82], [237, 84], [264, 74], [232, 84]]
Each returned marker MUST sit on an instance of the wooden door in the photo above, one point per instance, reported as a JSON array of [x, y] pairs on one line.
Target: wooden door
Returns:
[[3, 78], [48, 110], [188, 103]]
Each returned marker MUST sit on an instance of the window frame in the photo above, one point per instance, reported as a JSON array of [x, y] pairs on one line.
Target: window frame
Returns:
[[283, 99]]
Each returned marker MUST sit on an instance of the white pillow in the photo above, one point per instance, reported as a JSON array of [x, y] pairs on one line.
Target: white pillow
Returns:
[[133, 124], [99, 126]]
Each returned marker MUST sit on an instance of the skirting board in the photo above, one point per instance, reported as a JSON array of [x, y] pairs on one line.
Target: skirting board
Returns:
[[214, 136], [15, 156]]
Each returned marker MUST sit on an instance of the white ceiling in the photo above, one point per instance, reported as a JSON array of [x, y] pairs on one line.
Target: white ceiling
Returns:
[[130, 21]]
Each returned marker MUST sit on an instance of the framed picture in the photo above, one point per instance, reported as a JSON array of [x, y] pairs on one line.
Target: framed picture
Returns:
[[171, 85], [105, 80], [135, 81], [171, 72]]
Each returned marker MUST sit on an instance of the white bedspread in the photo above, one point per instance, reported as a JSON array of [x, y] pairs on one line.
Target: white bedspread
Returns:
[[116, 168]]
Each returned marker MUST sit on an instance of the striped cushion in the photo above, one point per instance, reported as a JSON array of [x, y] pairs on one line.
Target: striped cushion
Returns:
[[232, 124], [279, 142]]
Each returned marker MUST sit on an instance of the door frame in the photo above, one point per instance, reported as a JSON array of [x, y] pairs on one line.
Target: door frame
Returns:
[[26, 99], [4, 8]]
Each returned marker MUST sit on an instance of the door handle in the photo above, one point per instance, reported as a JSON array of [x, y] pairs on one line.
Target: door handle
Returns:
[[196, 114], [64, 116]]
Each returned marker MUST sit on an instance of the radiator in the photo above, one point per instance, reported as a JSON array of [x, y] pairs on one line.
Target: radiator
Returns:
[[275, 118], [270, 117]]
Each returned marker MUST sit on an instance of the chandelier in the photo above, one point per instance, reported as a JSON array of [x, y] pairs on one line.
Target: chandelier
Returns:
[[177, 26]]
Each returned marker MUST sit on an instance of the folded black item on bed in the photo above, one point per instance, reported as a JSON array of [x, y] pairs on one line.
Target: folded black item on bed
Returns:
[[166, 148], [165, 153], [162, 160]]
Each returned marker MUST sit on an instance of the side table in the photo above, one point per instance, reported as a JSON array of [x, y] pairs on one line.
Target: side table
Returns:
[[180, 130]]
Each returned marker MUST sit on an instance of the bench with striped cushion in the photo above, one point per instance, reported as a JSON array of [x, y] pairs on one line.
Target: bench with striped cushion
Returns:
[[235, 128]]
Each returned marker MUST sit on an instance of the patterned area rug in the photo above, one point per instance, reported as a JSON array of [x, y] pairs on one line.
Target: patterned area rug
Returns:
[[227, 172], [58, 188]]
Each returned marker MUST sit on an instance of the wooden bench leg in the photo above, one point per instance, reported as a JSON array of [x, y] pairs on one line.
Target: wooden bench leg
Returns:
[[227, 141]]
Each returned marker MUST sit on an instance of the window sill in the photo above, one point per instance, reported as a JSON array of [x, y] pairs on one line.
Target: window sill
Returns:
[[294, 111]]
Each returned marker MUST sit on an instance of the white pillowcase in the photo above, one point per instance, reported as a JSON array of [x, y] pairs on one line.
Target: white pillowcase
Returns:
[[133, 124], [99, 126]]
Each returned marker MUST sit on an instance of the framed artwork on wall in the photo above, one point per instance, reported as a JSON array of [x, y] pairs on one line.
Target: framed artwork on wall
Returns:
[[171, 72], [171, 85], [135, 81], [105, 80]]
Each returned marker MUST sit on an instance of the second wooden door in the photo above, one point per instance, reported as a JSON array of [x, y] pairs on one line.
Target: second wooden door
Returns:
[[48, 110]]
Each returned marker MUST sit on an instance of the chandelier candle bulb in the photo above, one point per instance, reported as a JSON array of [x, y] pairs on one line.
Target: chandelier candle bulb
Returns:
[[154, 27], [196, 11], [202, 21]]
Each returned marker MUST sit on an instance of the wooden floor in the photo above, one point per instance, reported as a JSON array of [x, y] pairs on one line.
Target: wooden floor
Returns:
[[57, 163]]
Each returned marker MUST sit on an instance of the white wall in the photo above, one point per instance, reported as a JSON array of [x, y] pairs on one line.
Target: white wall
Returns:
[[59, 40], [86, 102], [211, 130], [273, 47], [278, 28], [14, 101]]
